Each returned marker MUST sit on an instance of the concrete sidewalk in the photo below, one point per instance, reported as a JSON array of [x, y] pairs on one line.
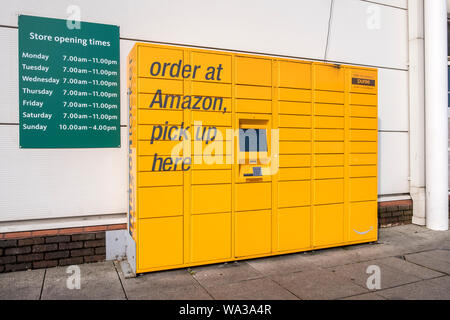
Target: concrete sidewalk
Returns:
[[414, 264]]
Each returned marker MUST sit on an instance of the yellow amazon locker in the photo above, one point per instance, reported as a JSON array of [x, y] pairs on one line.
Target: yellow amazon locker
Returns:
[[236, 156]]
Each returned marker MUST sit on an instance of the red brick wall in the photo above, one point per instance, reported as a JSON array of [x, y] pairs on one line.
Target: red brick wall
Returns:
[[394, 213], [50, 248]]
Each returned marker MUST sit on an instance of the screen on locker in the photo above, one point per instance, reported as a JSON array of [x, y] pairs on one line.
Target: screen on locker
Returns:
[[252, 140]]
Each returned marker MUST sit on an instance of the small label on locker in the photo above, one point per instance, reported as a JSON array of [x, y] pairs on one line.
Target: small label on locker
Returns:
[[363, 82]]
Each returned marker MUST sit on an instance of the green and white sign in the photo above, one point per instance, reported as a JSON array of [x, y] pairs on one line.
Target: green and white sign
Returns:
[[69, 84]]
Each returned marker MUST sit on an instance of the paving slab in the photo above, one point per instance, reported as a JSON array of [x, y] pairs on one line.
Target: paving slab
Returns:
[[389, 277], [443, 282], [326, 258], [256, 289], [438, 260], [433, 289], [410, 268], [401, 242], [21, 285], [190, 292], [417, 238], [377, 251], [225, 273], [170, 285], [417, 232], [410, 229], [318, 284], [443, 255], [98, 281], [160, 280], [283, 264], [445, 244], [366, 296], [387, 235]]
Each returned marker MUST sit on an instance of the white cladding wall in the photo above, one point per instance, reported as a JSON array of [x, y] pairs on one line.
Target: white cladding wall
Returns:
[[92, 184]]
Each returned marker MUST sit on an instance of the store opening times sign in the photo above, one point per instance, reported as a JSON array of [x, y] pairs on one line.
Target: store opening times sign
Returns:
[[69, 84]]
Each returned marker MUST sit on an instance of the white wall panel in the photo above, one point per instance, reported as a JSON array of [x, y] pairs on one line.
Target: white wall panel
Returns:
[[287, 27], [393, 100], [64, 222], [9, 75], [357, 37], [396, 3], [52, 183], [393, 163]]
